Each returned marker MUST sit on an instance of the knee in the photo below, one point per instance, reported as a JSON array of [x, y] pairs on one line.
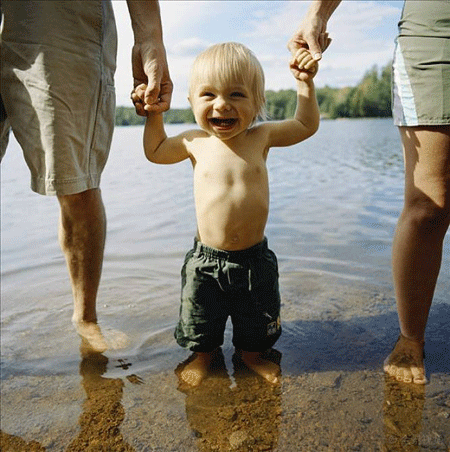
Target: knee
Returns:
[[427, 216], [81, 206], [79, 201]]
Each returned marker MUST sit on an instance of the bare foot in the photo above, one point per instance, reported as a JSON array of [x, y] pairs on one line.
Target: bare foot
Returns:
[[195, 370], [97, 340], [267, 369], [405, 363]]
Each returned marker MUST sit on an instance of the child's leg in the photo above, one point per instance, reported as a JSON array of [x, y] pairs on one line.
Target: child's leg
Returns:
[[196, 369], [264, 367], [203, 316]]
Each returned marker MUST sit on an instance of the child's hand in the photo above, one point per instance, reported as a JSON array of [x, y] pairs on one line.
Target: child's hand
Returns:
[[303, 66], [137, 96]]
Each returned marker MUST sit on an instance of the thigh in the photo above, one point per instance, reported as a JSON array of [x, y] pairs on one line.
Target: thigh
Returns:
[[256, 315], [203, 310], [427, 164]]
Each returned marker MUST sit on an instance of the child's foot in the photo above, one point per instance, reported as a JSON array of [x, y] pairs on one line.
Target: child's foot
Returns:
[[267, 369], [94, 339], [195, 370], [406, 361]]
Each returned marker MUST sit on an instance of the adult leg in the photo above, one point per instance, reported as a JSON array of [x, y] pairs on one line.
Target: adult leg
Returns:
[[82, 233], [418, 240]]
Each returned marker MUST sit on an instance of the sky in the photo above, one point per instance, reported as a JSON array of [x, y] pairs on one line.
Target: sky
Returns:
[[363, 34]]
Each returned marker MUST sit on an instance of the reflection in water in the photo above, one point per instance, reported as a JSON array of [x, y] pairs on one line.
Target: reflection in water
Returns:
[[12, 443], [403, 411], [103, 412], [242, 416]]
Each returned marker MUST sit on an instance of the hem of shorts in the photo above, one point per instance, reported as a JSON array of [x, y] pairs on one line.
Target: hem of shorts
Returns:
[[442, 122], [199, 348], [257, 348], [65, 187]]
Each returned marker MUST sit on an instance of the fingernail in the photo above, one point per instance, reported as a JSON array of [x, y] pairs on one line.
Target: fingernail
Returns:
[[317, 56]]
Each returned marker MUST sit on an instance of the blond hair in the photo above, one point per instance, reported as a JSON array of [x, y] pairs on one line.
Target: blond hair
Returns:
[[231, 62]]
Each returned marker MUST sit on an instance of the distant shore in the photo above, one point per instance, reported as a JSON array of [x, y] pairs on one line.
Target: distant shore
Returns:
[[371, 98]]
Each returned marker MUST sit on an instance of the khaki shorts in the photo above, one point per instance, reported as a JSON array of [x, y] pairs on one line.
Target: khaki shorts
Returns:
[[421, 66], [421, 81], [218, 284], [57, 89]]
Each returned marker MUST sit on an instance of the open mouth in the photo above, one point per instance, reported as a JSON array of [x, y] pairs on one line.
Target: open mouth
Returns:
[[223, 122]]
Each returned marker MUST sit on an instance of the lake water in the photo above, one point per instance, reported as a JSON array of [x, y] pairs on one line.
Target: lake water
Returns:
[[335, 200]]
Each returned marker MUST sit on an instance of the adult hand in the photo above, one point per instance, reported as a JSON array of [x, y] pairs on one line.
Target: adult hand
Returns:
[[150, 69], [311, 35]]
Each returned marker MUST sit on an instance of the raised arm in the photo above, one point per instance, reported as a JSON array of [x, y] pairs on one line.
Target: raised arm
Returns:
[[306, 119], [312, 32], [149, 57], [158, 147]]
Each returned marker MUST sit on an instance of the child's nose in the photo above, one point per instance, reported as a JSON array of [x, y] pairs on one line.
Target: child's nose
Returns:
[[221, 104]]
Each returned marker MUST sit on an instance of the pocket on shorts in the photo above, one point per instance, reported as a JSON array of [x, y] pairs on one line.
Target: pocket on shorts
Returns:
[[104, 127], [272, 261]]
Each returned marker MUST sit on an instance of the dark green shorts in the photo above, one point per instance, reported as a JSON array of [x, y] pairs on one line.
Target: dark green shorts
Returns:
[[217, 284]]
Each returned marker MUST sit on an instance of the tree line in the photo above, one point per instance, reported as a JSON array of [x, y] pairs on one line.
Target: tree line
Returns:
[[370, 98]]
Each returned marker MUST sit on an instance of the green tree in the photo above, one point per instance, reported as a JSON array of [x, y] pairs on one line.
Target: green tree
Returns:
[[281, 104], [370, 98], [179, 116], [126, 116]]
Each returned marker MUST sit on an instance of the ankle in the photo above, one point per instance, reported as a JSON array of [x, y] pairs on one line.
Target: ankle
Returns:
[[84, 319], [250, 356], [412, 339]]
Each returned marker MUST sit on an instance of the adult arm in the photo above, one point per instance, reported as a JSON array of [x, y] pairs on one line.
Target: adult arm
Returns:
[[149, 57], [312, 32]]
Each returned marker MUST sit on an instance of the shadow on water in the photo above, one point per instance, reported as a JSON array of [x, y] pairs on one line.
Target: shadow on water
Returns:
[[355, 409], [239, 411], [235, 410], [361, 343]]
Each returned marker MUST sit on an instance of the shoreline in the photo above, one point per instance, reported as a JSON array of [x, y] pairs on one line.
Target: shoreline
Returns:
[[333, 395], [318, 411]]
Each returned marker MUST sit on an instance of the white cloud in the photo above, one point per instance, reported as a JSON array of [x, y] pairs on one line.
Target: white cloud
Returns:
[[363, 34], [278, 23], [358, 26], [188, 47]]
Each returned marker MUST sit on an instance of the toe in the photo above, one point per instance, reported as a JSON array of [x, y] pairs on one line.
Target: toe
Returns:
[[400, 374], [191, 378], [418, 375], [407, 377], [387, 367]]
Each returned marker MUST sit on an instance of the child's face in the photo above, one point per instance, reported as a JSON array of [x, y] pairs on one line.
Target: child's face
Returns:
[[222, 110]]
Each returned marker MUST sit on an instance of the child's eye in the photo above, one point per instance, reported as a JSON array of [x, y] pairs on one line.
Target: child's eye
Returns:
[[207, 94], [237, 94]]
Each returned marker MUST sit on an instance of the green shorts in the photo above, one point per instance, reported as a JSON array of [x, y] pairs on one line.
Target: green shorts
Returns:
[[217, 284]]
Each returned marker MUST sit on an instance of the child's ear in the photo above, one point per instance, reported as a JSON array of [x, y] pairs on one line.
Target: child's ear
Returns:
[[189, 100]]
